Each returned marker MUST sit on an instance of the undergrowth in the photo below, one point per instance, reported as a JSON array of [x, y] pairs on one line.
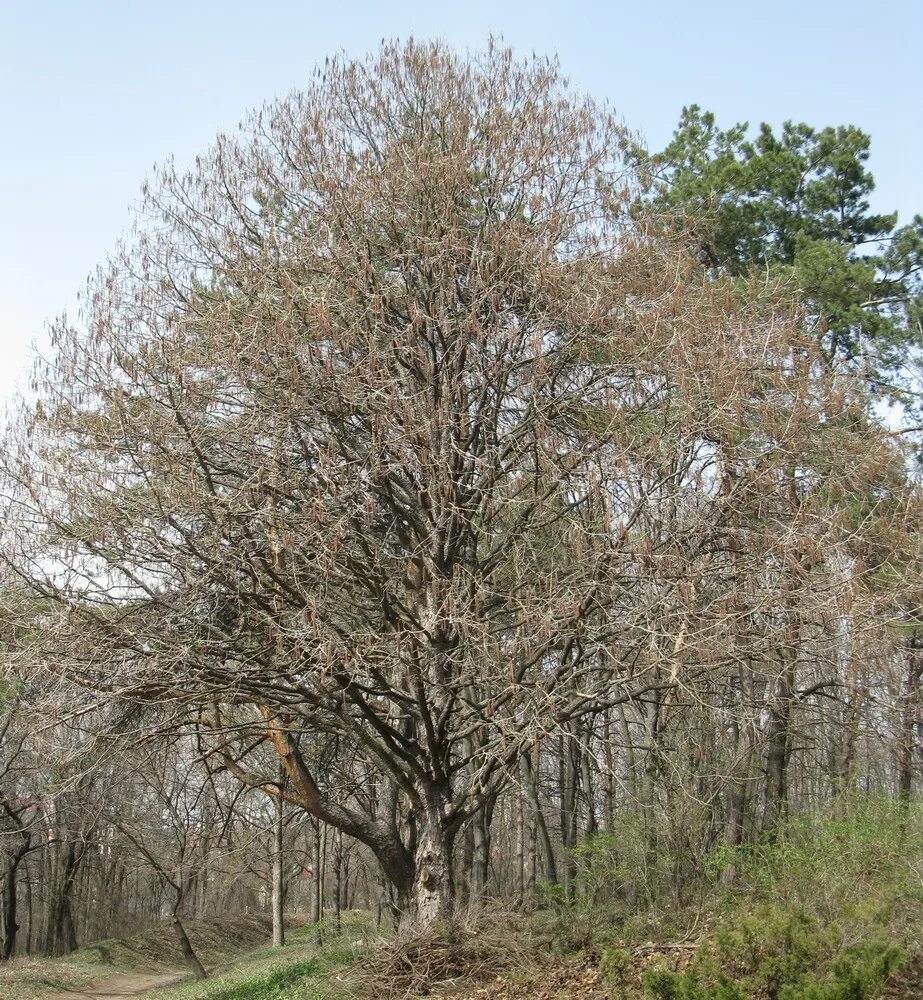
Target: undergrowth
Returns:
[[829, 910]]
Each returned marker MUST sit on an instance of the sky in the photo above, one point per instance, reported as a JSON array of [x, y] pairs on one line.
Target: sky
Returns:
[[93, 94]]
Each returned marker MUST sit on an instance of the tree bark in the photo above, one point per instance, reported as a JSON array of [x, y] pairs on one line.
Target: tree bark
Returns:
[[185, 946], [541, 827], [430, 897], [60, 937], [568, 791], [778, 745], [520, 848], [909, 707], [481, 860], [338, 879], [278, 877], [8, 913], [317, 897]]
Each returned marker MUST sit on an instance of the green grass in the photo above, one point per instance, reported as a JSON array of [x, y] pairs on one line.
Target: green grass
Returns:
[[300, 971], [214, 942], [28, 978]]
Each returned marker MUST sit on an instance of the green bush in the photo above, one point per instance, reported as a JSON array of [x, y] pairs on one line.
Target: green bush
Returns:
[[773, 947], [623, 864], [779, 954], [856, 974], [820, 912], [660, 984], [861, 865], [614, 967]]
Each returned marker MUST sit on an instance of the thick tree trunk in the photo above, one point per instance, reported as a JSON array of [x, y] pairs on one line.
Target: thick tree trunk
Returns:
[[9, 887], [60, 937], [430, 896], [69, 929]]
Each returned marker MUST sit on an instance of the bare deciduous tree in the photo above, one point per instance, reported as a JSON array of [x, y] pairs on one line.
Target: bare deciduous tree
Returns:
[[397, 428]]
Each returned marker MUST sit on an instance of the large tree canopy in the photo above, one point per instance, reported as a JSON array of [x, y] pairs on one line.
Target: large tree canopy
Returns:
[[398, 427]]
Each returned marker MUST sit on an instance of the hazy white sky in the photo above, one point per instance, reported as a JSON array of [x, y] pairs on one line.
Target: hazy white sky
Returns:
[[92, 93]]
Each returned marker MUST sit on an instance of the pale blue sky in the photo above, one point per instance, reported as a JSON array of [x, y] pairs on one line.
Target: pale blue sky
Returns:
[[92, 93]]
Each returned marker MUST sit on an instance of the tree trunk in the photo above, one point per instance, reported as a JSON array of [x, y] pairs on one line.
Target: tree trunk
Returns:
[[185, 946], [541, 827], [909, 708], [844, 765], [778, 745], [568, 790], [30, 911], [588, 767], [338, 879], [60, 938], [520, 848], [317, 897], [8, 913], [278, 878], [609, 777], [737, 802], [430, 897], [481, 860]]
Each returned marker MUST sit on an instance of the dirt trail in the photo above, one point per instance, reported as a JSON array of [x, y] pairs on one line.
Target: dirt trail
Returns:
[[128, 984]]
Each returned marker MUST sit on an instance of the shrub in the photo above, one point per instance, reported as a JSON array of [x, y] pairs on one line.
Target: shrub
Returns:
[[773, 947], [614, 967], [856, 974], [660, 984], [860, 865], [779, 954]]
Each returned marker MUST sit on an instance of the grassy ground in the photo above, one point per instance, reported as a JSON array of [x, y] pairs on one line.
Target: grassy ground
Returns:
[[300, 971], [28, 978], [153, 951], [215, 942]]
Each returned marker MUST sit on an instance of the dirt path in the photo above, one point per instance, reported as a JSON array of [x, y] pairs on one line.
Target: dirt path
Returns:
[[128, 984]]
